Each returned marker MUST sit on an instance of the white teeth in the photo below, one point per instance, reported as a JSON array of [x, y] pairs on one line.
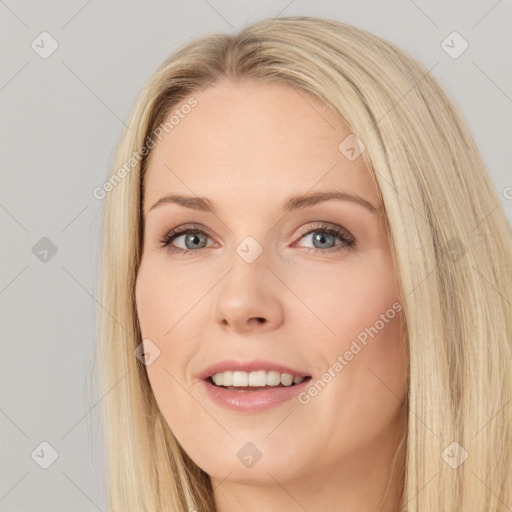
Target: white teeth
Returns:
[[286, 379], [240, 379], [227, 379], [273, 378], [258, 378]]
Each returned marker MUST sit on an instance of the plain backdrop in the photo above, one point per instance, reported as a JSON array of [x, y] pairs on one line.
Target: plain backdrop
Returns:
[[61, 117]]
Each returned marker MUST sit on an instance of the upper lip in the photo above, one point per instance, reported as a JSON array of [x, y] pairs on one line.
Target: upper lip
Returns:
[[249, 366]]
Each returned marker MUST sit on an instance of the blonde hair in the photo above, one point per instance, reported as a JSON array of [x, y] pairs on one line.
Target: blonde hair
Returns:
[[450, 241]]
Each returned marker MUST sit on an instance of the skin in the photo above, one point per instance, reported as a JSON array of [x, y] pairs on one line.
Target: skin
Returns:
[[247, 147]]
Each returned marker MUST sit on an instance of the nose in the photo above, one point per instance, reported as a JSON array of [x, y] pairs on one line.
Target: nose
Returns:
[[249, 297]]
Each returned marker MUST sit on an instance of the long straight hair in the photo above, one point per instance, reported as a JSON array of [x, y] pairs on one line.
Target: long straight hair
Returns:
[[450, 240]]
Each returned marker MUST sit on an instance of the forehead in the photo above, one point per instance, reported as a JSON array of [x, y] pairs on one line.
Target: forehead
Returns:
[[253, 140]]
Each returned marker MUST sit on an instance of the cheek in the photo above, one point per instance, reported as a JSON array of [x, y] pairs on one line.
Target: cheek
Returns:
[[163, 298], [159, 306], [168, 308], [165, 306], [148, 299], [342, 300], [363, 351], [368, 307], [155, 313], [361, 389]]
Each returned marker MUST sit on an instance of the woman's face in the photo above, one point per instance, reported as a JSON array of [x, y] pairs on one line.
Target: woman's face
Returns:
[[270, 285]]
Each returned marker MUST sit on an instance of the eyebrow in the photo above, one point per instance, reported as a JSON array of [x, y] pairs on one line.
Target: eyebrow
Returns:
[[297, 202]]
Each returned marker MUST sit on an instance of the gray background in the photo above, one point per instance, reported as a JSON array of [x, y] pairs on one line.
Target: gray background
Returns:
[[60, 120]]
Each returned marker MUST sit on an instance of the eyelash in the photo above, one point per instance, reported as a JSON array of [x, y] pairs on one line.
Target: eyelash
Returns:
[[348, 242]]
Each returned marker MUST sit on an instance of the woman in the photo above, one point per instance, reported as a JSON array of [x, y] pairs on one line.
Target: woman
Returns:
[[339, 339]]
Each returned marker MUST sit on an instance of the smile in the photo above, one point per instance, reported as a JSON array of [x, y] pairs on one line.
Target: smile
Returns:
[[250, 381]]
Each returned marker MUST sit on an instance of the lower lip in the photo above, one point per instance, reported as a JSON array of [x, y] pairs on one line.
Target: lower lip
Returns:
[[253, 401]]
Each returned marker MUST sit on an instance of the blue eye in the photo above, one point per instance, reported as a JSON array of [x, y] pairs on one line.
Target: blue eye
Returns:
[[198, 238], [323, 234], [319, 237]]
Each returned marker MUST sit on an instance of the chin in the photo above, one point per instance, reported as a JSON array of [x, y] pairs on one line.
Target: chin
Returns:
[[261, 462]]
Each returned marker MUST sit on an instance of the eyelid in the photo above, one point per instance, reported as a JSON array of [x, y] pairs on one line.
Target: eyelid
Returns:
[[324, 225]]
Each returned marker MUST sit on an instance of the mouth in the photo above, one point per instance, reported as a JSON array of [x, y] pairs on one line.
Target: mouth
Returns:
[[259, 380], [252, 386]]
